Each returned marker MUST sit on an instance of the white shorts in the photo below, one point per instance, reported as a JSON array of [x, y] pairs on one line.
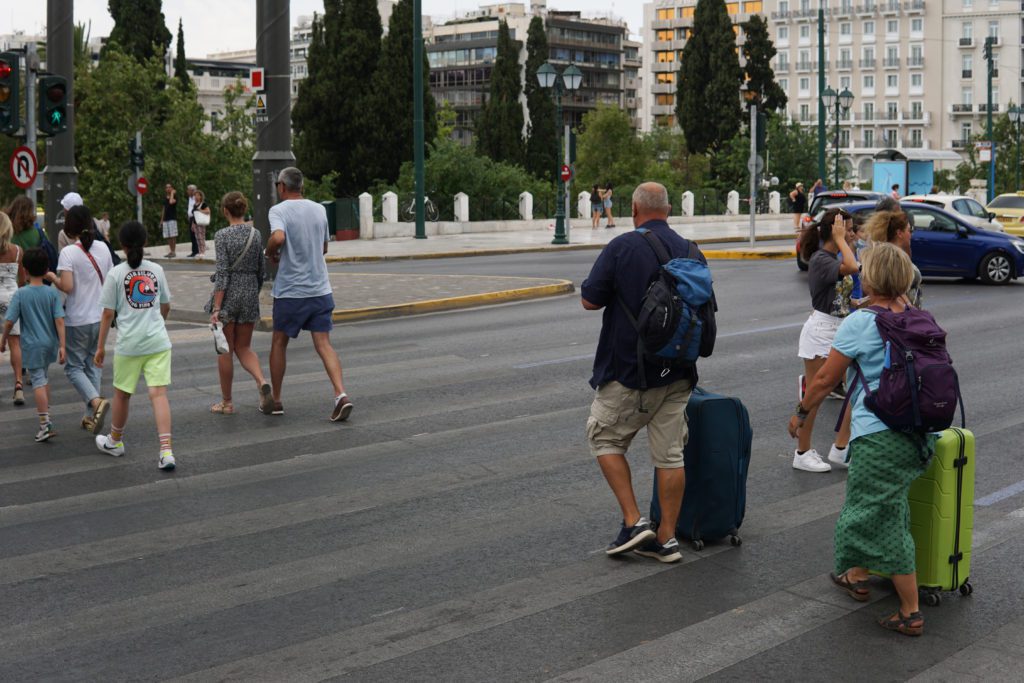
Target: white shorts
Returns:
[[817, 335], [170, 229]]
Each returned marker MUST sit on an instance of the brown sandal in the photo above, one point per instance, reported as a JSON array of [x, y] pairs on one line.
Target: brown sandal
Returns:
[[223, 408], [904, 624], [856, 590]]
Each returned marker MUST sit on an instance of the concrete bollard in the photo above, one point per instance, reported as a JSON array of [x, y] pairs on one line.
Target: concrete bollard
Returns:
[[687, 204], [774, 203], [462, 208], [526, 206], [583, 205], [366, 216], [390, 207], [732, 203]]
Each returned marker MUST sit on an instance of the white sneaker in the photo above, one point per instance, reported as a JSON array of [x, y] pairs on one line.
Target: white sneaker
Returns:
[[839, 456], [166, 460], [810, 461], [107, 446]]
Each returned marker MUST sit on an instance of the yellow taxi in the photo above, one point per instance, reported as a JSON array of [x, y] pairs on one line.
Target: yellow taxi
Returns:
[[1009, 210]]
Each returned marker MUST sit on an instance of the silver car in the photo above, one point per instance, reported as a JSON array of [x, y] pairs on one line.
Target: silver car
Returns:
[[972, 211]]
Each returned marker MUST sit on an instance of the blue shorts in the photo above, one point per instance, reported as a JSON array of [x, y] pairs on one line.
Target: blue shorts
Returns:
[[313, 314], [40, 376]]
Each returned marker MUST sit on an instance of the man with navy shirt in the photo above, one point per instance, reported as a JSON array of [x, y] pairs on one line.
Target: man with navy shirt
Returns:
[[620, 278]]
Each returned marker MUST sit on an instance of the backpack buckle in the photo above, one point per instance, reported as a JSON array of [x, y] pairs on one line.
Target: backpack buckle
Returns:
[[665, 371]]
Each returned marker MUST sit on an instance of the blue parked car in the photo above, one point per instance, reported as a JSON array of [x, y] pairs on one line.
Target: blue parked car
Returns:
[[945, 245]]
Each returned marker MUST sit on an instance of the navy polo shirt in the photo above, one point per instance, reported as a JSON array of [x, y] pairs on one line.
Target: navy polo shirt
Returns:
[[627, 267]]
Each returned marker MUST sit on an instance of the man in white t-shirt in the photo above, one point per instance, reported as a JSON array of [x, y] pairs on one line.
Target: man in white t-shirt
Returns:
[[303, 297], [188, 219]]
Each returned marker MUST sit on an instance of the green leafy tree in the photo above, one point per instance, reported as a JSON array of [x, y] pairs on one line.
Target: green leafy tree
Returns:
[[608, 150], [81, 49], [542, 143], [180, 64], [1006, 158], [791, 157], [499, 129], [446, 118], [758, 51], [140, 29], [333, 118], [945, 180], [707, 98], [392, 101]]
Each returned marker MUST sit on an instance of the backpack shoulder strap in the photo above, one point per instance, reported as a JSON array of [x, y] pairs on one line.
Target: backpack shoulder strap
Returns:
[[694, 251], [659, 249]]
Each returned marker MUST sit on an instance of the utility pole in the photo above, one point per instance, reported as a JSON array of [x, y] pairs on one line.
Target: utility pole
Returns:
[[31, 107], [752, 167], [989, 44], [417, 114], [822, 170], [274, 136], [60, 175], [138, 174]]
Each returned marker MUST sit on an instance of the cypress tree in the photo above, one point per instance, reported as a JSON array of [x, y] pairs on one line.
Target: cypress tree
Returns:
[[707, 96], [180, 65], [542, 144], [392, 104], [313, 122], [758, 51], [140, 29], [499, 130]]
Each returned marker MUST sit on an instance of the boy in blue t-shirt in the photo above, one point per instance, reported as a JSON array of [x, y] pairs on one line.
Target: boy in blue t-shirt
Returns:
[[39, 309]]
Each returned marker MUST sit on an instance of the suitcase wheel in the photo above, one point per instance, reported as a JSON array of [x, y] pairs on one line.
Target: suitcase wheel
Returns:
[[966, 589], [931, 599], [698, 545], [735, 540]]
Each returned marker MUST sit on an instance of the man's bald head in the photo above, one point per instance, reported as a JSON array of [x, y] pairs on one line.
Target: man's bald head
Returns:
[[650, 202]]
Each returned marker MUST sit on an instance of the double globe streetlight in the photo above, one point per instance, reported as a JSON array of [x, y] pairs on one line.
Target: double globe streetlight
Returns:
[[570, 80], [1016, 115], [838, 103]]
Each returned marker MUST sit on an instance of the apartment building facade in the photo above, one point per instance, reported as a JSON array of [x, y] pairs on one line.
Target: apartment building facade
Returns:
[[462, 54], [914, 67]]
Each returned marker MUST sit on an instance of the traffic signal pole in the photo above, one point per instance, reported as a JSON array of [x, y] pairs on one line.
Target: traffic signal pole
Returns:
[[822, 169], [60, 175], [417, 116], [138, 174], [31, 69], [274, 137]]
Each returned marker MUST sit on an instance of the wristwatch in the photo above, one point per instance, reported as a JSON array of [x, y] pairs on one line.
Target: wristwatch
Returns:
[[801, 412]]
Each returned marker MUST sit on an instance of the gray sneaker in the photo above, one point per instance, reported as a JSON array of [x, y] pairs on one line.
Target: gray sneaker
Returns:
[[667, 552]]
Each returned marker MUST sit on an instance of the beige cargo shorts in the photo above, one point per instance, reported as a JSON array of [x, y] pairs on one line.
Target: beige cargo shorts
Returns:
[[615, 418]]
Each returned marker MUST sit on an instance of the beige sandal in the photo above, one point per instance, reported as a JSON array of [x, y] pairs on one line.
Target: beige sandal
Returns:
[[223, 408]]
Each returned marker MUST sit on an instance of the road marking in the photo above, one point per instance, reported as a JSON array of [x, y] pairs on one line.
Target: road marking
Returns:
[[555, 361], [1001, 494]]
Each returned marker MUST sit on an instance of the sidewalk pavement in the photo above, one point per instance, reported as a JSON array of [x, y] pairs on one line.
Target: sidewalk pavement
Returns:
[[365, 296]]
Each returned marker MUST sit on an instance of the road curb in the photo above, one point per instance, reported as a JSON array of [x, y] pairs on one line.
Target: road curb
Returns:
[[740, 254], [266, 324]]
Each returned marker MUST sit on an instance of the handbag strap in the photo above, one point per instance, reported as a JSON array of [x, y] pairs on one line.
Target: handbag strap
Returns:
[[245, 249], [91, 260]]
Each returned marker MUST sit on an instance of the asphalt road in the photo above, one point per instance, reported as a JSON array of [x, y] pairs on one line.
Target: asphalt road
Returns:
[[453, 528]]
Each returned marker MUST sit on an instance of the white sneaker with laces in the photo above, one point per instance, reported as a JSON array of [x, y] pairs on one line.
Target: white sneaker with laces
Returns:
[[810, 461], [107, 446], [166, 460], [839, 456]]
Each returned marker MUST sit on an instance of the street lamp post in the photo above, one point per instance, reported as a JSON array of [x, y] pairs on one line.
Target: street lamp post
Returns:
[[751, 95], [838, 103], [570, 80], [1016, 115]]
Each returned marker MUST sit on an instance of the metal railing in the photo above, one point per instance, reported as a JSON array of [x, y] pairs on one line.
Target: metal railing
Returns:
[[967, 42]]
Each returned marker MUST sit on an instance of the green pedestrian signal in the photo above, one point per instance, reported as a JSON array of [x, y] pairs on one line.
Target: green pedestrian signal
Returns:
[[10, 101], [53, 105]]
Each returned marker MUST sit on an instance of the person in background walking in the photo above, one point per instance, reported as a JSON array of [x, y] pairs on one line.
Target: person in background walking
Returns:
[[895, 194], [817, 188], [12, 276], [831, 262], [199, 231], [236, 300], [872, 533], [103, 225], [169, 220], [596, 206], [37, 307], [607, 200], [23, 216], [81, 271], [191, 191], [136, 291], [798, 202], [303, 297]]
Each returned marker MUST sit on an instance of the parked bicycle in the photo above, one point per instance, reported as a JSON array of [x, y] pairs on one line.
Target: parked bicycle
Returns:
[[408, 213]]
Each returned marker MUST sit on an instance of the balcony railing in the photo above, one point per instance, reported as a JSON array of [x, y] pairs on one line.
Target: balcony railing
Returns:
[[844, 64], [867, 8], [803, 66], [915, 61], [890, 116], [966, 73], [891, 62], [913, 6], [911, 143], [867, 63], [983, 108], [891, 7], [967, 42], [961, 144], [962, 108]]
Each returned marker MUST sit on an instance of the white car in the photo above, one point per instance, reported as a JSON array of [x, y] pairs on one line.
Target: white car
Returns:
[[973, 212]]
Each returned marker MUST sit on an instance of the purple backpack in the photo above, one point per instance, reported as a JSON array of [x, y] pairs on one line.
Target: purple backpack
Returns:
[[919, 390]]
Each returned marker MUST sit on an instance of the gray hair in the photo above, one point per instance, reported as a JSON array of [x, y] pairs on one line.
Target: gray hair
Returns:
[[651, 198], [191, 187], [292, 179]]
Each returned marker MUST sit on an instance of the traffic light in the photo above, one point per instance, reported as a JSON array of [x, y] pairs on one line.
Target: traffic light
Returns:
[[988, 48], [10, 80], [53, 105], [137, 156], [762, 132]]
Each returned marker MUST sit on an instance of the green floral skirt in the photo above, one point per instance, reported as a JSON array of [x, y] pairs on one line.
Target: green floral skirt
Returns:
[[873, 530]]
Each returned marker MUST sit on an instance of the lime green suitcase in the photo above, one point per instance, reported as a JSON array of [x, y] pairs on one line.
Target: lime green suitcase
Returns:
[[942, 517]]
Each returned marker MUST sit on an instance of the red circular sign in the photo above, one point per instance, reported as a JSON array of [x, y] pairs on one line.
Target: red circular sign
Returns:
[[142, 185], [23, 167], [566, 173]]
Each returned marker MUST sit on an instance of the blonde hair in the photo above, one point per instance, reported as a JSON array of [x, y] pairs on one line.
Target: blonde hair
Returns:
[[6, 232], [882, 226], [886, 270]]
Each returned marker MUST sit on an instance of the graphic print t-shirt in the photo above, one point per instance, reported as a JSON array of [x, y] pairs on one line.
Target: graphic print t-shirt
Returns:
[[136, 294], [830, 291]]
